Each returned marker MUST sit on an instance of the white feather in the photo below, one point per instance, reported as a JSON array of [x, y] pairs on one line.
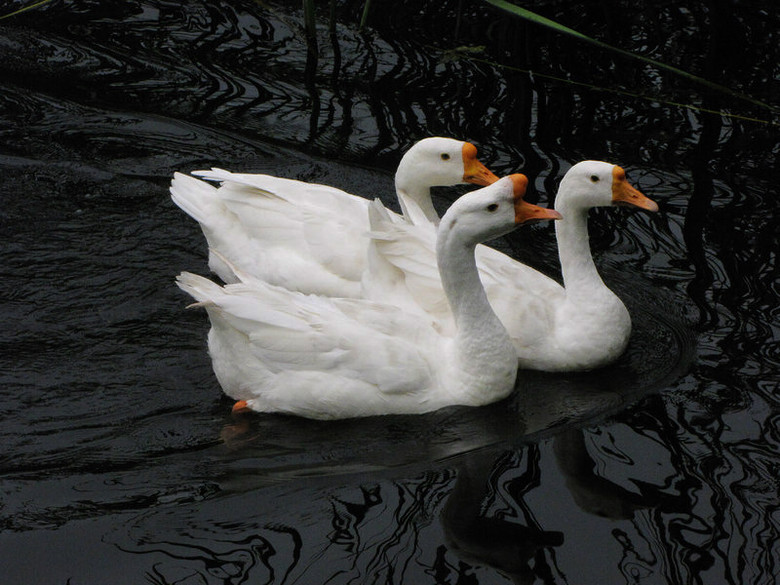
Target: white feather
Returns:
[[306, 236], [321, 357], [581, 326]]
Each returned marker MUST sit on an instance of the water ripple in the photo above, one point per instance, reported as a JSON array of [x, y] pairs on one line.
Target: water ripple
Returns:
[[116, 432]]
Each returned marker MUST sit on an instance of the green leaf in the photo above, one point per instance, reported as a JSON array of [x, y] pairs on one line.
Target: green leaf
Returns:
[[24, 9], [546, 22], [364, 16]]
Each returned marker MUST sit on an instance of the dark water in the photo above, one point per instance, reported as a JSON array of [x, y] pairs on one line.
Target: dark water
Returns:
[[120, 462]]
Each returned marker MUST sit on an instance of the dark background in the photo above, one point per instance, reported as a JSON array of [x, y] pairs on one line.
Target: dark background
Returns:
[[119, 460]]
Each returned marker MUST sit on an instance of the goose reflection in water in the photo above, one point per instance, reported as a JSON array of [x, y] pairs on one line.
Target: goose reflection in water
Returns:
[[486, 499], [368, 524], [487, 520], [349, 515], [509, 540], [595, 494]]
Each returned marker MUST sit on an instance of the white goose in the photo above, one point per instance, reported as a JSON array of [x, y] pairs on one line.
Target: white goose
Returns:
[[276, 350], [309, 237], [579, 326]]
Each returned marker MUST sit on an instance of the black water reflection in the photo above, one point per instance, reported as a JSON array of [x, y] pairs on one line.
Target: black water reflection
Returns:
[[119, 457]]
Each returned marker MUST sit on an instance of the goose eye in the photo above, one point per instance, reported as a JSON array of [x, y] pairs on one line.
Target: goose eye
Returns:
[[492, 207], [594, 178], [445, 156]]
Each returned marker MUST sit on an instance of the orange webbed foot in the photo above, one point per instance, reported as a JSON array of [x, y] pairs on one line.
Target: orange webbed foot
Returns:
[[241, 407]]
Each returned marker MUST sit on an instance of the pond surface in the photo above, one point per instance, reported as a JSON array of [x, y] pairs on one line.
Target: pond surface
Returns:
[[120, 460]]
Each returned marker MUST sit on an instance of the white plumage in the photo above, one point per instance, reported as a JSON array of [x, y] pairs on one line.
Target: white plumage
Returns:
[[310, 237], [578, 326], [284, 351]]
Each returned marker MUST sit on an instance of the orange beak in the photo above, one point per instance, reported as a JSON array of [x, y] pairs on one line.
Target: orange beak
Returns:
[[624, 194], [527, 212], [473, 170]]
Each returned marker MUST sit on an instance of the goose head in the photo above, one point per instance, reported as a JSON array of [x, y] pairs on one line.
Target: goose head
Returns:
[[440, 162], [493, 211], [593, 183]]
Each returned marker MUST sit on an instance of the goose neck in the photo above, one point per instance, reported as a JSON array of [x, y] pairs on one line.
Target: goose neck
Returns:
[[577, 266], [474, 317], [415, 198], [482, 352]]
